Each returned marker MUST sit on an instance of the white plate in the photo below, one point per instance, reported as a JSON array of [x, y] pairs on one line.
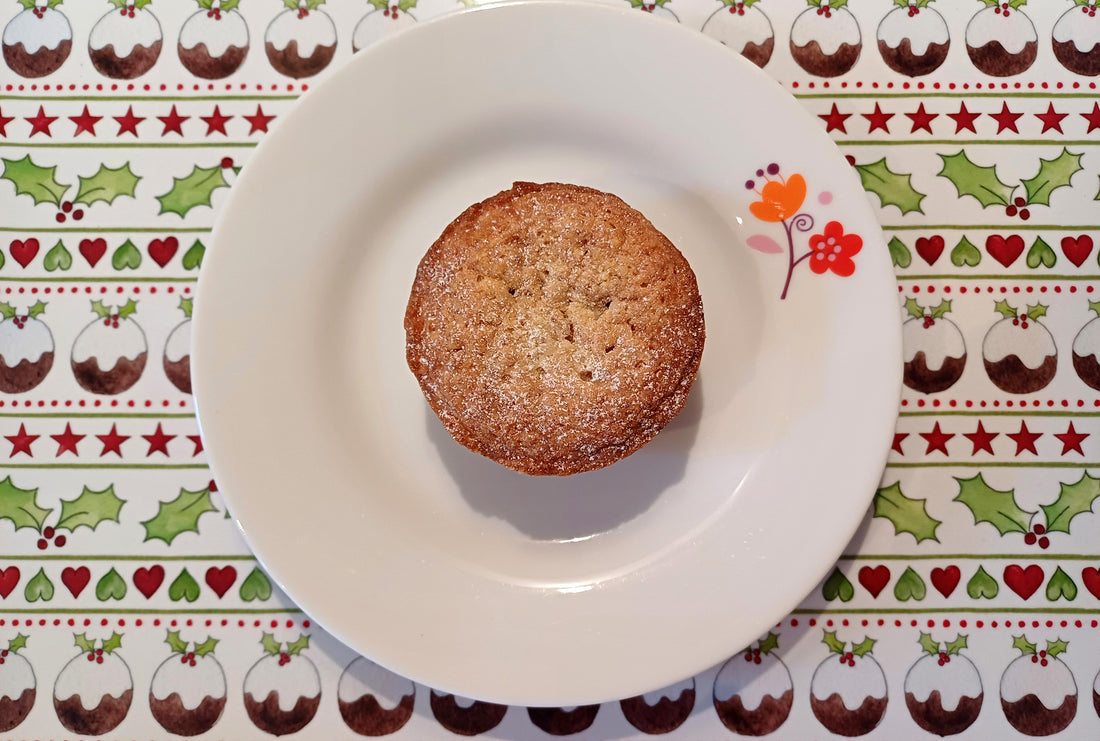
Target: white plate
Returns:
[[442, 565]]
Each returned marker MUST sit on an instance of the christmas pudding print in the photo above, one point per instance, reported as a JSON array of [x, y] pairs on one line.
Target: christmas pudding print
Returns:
[[37, 41], [825, 38], [26, 348], [753, 692], [1001, 40], [848, 695], [93, 692], [214, 41], [109, 354], [935, 353], [1019, 353], [913, 38], [374, 701], [1086, 349], [943, 689], [742, 26], [282, 691], [660, 711], [387, 17], [301, 40], [188, 692], [18, 686], [126, 42], [1076, 39], [465, 716], [1038, 692], [177, 350]]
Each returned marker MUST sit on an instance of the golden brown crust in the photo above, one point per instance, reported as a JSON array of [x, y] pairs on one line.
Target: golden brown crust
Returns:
[[554, 329]]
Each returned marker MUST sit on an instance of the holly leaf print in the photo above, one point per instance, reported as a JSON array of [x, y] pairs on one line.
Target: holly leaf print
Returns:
[[973, 180], [128, 309], [907, 515], [7, 310], [915, 310], [835, 645], [1022, 643], [314, 4], [27, 4], [82, 642], [838, 4], [1073, 500], [1005, 309], [996, 507], [107, 185], [207, 646], [406, 5], [101, 309], [1094, 306], [293, 649], [1016, 3], [1055, 648], [940, 310], [173, 640], [194, 190], [864, 647], [1053, 174], [271, 646], [20, 641], [769, 644], [89, 509], [956, 645], [21, 506], [38, 309], [291, 4], [892, 188], [113, 643], [37, 182], [379, 4], [228, 5], [928, 645], [187, 305], [1035, 311], [181, 515]]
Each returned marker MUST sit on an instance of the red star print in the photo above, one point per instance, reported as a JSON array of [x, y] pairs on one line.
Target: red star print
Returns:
[[197, 442], [21, 442], [1006, 119], [172, 122], [878, 119], [215, 122], [1052, 120], [67, 440], [5, 120], [922, 119], [937, 439], [112, 442], [834, 120], [898, 437], [85, 122], [129, 122], [258, 122], [964, 119], [982, 439], [1025, 439], [1093, 117], [158, 441], [40, 124], [1071, 440]]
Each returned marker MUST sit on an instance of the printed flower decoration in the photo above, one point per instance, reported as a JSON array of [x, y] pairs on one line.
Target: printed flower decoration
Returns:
[[779, 200], [833, 250]]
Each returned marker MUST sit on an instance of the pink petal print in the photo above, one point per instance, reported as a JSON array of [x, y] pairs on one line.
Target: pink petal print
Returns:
[[764, 244]]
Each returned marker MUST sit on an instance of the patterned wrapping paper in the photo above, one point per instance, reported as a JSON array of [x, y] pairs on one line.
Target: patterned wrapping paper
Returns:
[[968, 602]]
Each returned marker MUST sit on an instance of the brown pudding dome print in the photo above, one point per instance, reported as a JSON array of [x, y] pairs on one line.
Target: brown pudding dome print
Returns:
[[301, 40], [26, 348], [1001, 39], [213, 42], [913, 38], [825, 38], [37, 41], [126, 42], [93, 692], [743, 26]]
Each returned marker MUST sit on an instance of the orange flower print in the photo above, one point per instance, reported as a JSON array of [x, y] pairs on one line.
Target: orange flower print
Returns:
[[779, 200], [833, 250]]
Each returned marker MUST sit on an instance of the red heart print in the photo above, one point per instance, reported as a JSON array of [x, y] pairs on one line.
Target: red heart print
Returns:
[[930, 249], [163, 250], [1091, 579], [93, 249], [1023, 581], [9, 577], [1004, 251], [76, 579], [24, 252], [148, 580], [1077, 250], [874, 580], [220, 580], [945, 580]]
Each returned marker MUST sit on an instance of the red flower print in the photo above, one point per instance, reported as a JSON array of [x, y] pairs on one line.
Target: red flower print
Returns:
[[834, 249]]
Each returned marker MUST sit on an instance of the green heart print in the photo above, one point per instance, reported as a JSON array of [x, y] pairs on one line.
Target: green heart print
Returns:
[[192, 259], [1041, 254], [255, 586], [982, 585], [837, 585], [910, 586], [899, 253], [184, 587], [126, 256], [1061, 585], [111, 586], [58, 258], [965, 253], [39, 588]]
